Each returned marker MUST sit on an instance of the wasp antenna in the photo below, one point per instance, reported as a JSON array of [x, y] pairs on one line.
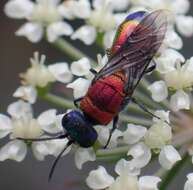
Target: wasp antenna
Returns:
[[57, 159], [44, 139]]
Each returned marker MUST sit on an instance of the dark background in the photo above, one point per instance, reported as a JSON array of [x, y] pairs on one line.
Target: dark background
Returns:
[[31, 174]]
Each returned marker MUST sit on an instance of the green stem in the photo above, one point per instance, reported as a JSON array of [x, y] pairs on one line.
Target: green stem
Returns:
[[73, 52], [57, 101], [170, 175], [112, 152]]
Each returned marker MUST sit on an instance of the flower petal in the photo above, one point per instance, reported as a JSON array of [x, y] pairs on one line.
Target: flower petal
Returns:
[[83, 155], [148, 183], [81, 67], [99, 179], [189, 183], [168, 157], [32, 31], [134, 133], [58, 29], [108, 38], [47, 121], [61, 72], [27, 93], [158, 90], [173, 40], [5, 125], [124, 166], [141, 155], [103, 135], [163, 116], [166, 62], [86, 34], [14, 150], [18, 8], [79, 86], [180, 100], [185, 25], [20, 109]]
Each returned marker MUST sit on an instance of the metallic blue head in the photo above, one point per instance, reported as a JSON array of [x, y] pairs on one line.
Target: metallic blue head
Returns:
[[79, 128]]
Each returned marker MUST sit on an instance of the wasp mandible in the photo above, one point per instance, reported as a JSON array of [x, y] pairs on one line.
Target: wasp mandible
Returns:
[[137, 40]]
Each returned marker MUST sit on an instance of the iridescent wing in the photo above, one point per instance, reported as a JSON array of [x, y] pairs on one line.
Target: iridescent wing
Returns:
[[138, 50]]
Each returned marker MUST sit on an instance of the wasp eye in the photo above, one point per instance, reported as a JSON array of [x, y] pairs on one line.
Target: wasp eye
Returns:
[[65, 120]]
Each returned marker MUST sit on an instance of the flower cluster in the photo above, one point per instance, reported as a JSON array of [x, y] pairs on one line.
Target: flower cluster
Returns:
[[138, 142]]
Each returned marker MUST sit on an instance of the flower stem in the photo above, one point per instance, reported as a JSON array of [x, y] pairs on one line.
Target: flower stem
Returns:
[[112, 152], [171, 174], [73, 52], [57, 101]]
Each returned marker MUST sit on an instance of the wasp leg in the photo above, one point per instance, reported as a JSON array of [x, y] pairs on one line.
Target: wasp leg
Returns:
[[145, 109], [115, 120], [77, 100], [151, 68], [94, 72]]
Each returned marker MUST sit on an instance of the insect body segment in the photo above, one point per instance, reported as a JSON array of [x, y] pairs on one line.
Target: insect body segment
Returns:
[[105, 98]]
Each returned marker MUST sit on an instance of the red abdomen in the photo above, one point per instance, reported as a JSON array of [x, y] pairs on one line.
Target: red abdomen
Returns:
[[104, 98]]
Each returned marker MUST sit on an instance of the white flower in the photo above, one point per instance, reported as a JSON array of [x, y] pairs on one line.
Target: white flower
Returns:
[[148, 183], [134, 133], [83, 155], [23, 125], [27, 93], [180, 100], [163, 116], [141, 155], [79, 86], [100, 19], [168, 157], [86, 34], [103, 135], [99, 179], [81, 67], [173, 40], [41, 15], [61, 72], [189, 183], [124, 166], [38, 74], [167, 60], [158, 135], [158, 90], [185, 25], [125, 181]]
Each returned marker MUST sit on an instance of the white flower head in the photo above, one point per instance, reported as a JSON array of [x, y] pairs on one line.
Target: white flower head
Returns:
[[79, 86], [141, 155], [38, 74], [99, 179], [163, 116], [189, 183], [81, 67], [40, 15], [158, 90], [27, 93], [134, 133], [21, 124], [168, 157], [158, 135], [83, 155]]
